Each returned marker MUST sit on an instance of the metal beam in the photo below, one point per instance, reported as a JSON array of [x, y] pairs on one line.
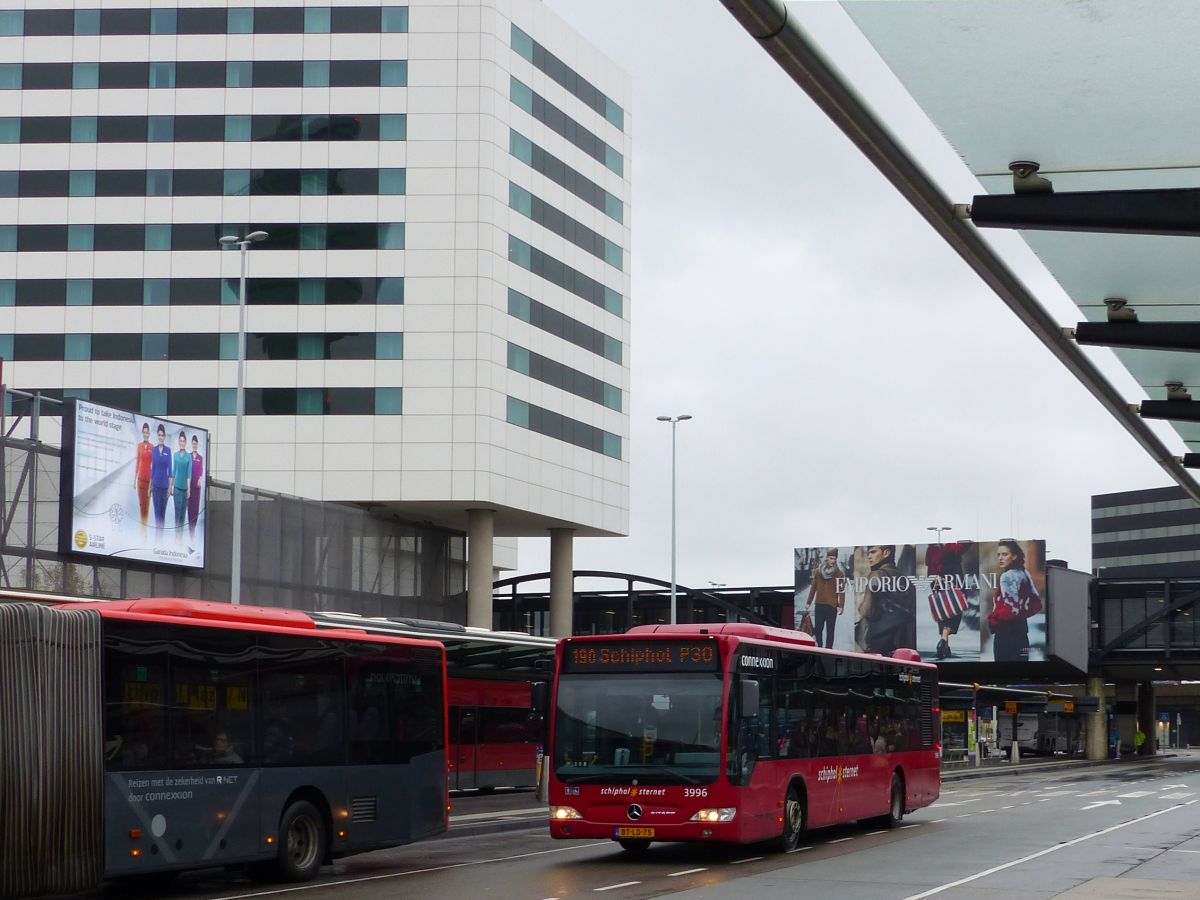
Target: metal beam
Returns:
[[767, 21], [1172, 211], [1183, 336], [1171, 410]]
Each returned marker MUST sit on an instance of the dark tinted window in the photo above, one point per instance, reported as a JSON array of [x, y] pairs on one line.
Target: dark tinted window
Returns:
[[135, 681], [361, 19], [46, 76], [44, 184], [37, 347], [271, 346], [271, 292], [120, 237], [303, 701], [125, 21], [351, 401], [269, 401], [212, 697], [191, 345], [353, 181], [289, 20], [49, 21], [122, 398], [199, 128], [117, 292], [192, 401], [342, 128], [276, 128], [41, 238], [395, 708], [268, 182], [349, 290], [194, 237], [124, 75], [350, 346], [195, 291], [121, 129], [352, 236], [198, 182], [199, 74], [41, 292], [201, 21], [354, 72], [278, 73], [120, 183], [46, 130], [116, 346]]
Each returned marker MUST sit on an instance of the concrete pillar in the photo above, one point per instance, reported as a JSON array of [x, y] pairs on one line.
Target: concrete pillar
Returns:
[[562, 581], [1148, 717], [481, 531], [1097, 722]]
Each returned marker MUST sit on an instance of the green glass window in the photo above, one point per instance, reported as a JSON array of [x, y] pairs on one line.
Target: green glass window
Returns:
[[81, 237], [392, 181], [613, 255], [158, 182], [391, 235], [612, 397], [521, 95], [614, 160], [393, 73], [390, 291], [612, 349], [614, 113], [310, 346], [156, 292], [312, 236], [77, 346], [519, 252], [155, 347], [160, 129], [79, 292], [83, 129], [6, 352], [389, 401], [314, 182], [87, 21], [310, 401], [395, 20], [518, 359], [162, 21], [614, 208], [241, 20], [612, 301], [316, 20], [12, 22], [612, 445], [85, 75], [239, 74], [389, 345], [10, 184], [520, 147], [237, 182], [517, 412], [8, 238], [520, 199], [312, 292], [162, 74], [316, 73], [76, 393], [393, 127], [10, 130], [8, 297], [229, 345], [227, 401], [519, 305], [158, 237], [154, 402], [522, 43], [229, 292], [83, 183], [10, 76], [237, 128]]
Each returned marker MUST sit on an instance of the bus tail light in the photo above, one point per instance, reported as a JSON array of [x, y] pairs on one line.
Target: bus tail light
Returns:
[[563, 814], [270, 839], [715, 814], [135, 833], [135, 852], [341, 834]]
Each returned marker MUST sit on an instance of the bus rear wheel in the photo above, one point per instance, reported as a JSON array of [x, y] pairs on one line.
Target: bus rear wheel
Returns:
[[793, 820], [634, 847], [302, 841]]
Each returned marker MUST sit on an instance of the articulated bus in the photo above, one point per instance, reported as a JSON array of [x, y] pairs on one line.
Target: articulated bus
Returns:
[[738, 733], [145, 737], [495, 734]]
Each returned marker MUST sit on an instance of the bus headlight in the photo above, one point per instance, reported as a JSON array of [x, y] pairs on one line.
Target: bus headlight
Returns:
[[716, 814], [563, 814]]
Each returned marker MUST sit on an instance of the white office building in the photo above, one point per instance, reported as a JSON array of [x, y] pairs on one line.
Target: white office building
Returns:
[[438, 324]]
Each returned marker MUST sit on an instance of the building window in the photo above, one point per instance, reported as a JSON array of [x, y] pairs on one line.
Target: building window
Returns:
[[158, 183], [395, 20], [81, 237], [237, 128], [77, 347], [316, 20], [162, 21], [393, 73], [392, 181], [87, 21], [10, 130], [85, 76], [155, 347], [83, 130], [153, 402], [389, 345], [12, 22], [517, 412], [391, 235], [162, 75], [10, 76], [79, 293], [239, 74], [158, 237], [160, 129], [389, 401], [393, 127], [316, 73], [241, 20], [236, 183], [518, 359], [390, 290]]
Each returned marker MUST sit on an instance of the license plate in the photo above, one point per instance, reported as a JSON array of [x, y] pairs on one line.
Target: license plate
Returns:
[[635, 832]]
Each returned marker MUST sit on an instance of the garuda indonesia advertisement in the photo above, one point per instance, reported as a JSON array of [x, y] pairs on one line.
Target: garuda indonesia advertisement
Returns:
[[967, 600], [132, 486]]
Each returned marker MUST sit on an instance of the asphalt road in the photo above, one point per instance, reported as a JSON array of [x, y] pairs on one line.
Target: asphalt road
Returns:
[[1129, 830]]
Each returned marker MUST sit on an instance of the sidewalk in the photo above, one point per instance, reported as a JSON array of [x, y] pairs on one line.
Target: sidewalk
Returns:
[[1037, 764]]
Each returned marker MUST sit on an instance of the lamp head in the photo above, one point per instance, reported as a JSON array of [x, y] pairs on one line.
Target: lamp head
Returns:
[[230, 239], [257, 236], [664, 418], [683, 418]]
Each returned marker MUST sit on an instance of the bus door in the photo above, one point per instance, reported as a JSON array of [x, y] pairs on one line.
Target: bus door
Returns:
[[464, 733]]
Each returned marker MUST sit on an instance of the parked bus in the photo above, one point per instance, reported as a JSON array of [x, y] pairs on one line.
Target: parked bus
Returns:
[[150, 736], [495, 734], [739, 733]]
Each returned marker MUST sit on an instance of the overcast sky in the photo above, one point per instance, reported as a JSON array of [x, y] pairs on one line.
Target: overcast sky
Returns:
[[851, 380]]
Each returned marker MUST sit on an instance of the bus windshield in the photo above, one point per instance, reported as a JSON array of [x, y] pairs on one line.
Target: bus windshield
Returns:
[[660, 729]]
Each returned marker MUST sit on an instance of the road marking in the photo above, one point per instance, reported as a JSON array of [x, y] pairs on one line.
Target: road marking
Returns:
[[1048, 794], [613, 887], [963, 816], [798, 849], [982, 812], [1133, 795], [1173, 850], [1178, 795], [935, 821], [1032, 856], [955, 803], [1100, 803], [738, 862], [685, 872], [873, 833], [1045, 799], [1167, 787], [840, 840], [1006, 807], [499, 814], [366, 878], [1095, 793], [913, 825]]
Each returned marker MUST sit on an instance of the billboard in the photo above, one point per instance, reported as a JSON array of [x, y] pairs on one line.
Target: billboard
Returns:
[[133, 486], [962, 601]]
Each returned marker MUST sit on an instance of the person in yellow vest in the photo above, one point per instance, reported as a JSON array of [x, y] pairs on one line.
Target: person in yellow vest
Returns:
[[1139, 741]]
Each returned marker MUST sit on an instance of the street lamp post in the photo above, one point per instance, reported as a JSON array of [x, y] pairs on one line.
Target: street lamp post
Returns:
[[235, 564], [674, 420], [939, 529]]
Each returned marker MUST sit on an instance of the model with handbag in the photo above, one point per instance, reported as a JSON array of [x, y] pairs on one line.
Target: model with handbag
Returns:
[[1015, 602], [947, 600]]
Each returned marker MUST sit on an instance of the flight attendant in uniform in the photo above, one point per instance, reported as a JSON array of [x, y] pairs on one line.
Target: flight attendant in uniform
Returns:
[[141, 477], [160, 478], [181, 483], [196, 485]]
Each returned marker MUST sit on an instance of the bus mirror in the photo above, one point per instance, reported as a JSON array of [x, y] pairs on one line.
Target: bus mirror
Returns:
[[540, 697], [749, 699]]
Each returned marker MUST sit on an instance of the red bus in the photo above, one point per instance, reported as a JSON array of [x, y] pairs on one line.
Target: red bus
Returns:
[[145, 737], [739, 733], [495, 734]]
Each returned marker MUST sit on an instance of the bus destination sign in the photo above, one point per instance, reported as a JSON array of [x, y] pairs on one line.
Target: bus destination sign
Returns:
[[642, 656]]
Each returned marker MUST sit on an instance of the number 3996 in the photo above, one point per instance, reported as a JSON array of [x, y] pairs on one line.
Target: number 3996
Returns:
[[695, 792]]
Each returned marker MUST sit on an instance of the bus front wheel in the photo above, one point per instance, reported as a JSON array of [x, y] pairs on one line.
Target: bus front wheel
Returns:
[[895, 813], [793, 820], [301, 842]]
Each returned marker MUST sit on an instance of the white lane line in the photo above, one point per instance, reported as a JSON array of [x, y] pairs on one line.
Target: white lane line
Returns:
[[935, 821], [1006, 807], [914, 825], [1173, 850], [982, 812], [1134, 795], [366, 878], [1024, 859], [685, 872], [1178, 795], [840, 840], [499, 814], [738, 862], [1045, 800], [798, 849], [873, 833], [1095, 793], [613, 887], [963, 816]]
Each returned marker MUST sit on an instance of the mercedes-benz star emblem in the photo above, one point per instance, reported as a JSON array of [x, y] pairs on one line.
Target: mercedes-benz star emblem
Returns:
[[634, 812]]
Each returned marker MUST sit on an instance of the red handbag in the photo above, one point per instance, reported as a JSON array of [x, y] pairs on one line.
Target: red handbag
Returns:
[[946, 603]]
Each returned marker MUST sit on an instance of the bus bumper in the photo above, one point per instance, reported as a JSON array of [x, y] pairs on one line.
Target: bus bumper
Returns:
[[686, 831]]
